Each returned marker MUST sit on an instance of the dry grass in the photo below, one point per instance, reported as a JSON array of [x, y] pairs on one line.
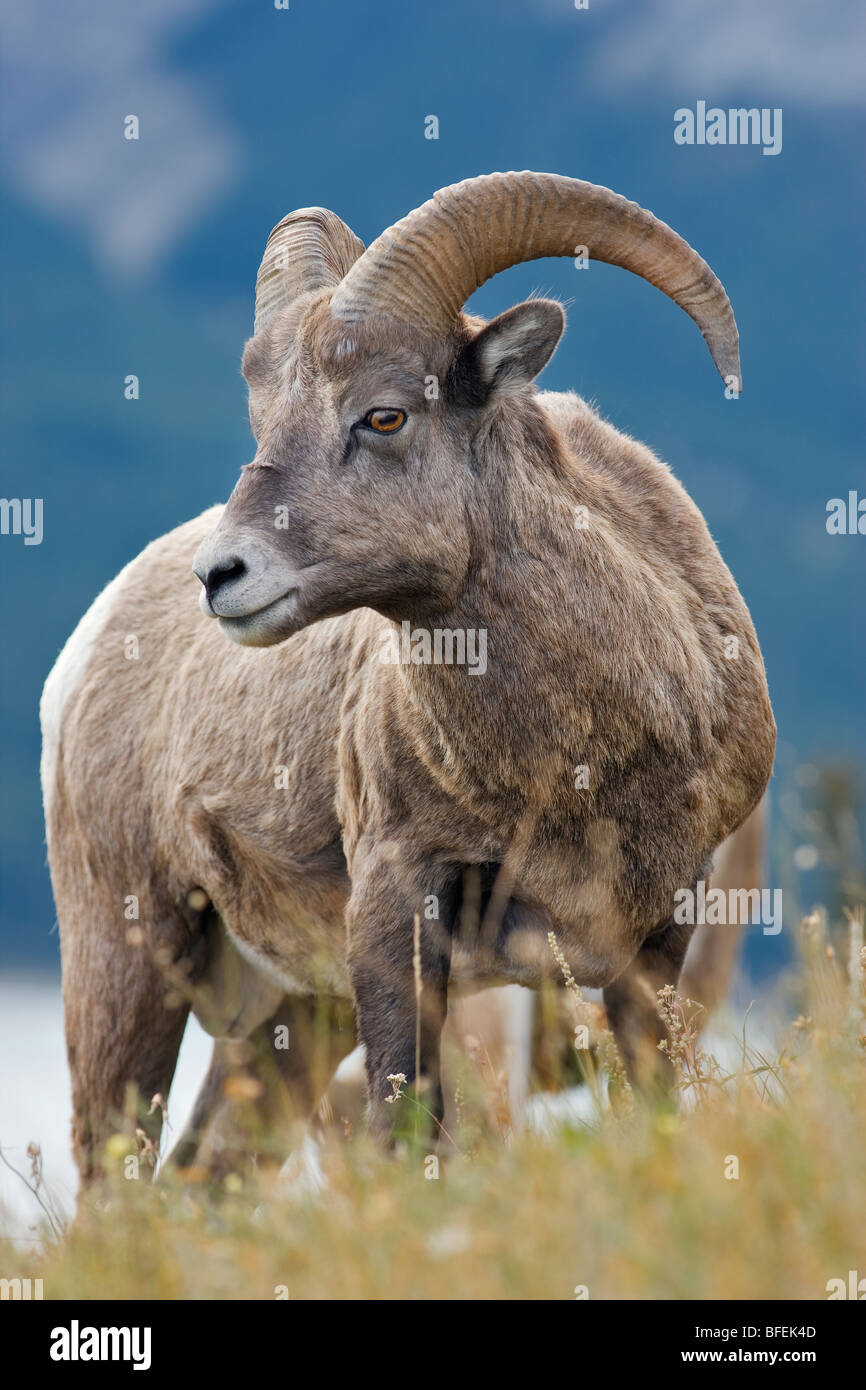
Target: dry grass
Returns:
[[639, 1207]]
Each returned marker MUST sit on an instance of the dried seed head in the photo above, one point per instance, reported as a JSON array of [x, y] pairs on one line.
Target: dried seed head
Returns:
[[397, 1079]]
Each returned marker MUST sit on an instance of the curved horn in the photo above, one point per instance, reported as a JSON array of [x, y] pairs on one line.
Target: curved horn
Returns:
[[424, 268], [309, 249]]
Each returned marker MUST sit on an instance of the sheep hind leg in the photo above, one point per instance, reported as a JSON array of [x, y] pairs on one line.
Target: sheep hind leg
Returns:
[[632, 1005], [259, 1090], [712, 957]]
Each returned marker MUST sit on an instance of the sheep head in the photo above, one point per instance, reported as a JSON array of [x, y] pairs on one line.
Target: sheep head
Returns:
[[371, 391]]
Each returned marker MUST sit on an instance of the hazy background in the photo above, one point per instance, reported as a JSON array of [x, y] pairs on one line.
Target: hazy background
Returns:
[[140, 257]]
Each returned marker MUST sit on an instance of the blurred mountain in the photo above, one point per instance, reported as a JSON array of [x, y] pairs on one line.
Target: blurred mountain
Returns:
[[124, 257]]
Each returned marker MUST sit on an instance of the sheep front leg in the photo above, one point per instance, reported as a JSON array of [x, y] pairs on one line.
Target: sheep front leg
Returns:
[[399, 951], [632, 1005]]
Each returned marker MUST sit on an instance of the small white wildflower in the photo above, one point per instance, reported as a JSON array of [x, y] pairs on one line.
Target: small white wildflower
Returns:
[[397, 1079]]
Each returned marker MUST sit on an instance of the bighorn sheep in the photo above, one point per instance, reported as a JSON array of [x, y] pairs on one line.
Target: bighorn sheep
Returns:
[[380, 829]]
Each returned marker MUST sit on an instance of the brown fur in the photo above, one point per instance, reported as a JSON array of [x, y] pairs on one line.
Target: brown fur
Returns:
[[605, 648]]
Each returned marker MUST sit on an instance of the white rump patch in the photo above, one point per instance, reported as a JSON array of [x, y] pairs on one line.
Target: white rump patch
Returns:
[[66, 677]]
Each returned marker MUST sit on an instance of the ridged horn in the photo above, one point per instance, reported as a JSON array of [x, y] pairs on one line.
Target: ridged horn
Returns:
[[424, 268], [309, 249]]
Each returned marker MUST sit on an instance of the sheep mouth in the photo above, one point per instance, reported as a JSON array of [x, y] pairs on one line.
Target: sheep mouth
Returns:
[[264, 627]]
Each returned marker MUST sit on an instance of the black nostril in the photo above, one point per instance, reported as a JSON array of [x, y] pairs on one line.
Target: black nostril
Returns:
[[224, 573]]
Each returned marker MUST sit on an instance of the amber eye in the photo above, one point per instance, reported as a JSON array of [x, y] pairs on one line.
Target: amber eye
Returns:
[[385, 421]]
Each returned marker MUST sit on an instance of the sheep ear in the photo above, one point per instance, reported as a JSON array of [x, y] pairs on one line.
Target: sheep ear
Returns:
[[509, 352]]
